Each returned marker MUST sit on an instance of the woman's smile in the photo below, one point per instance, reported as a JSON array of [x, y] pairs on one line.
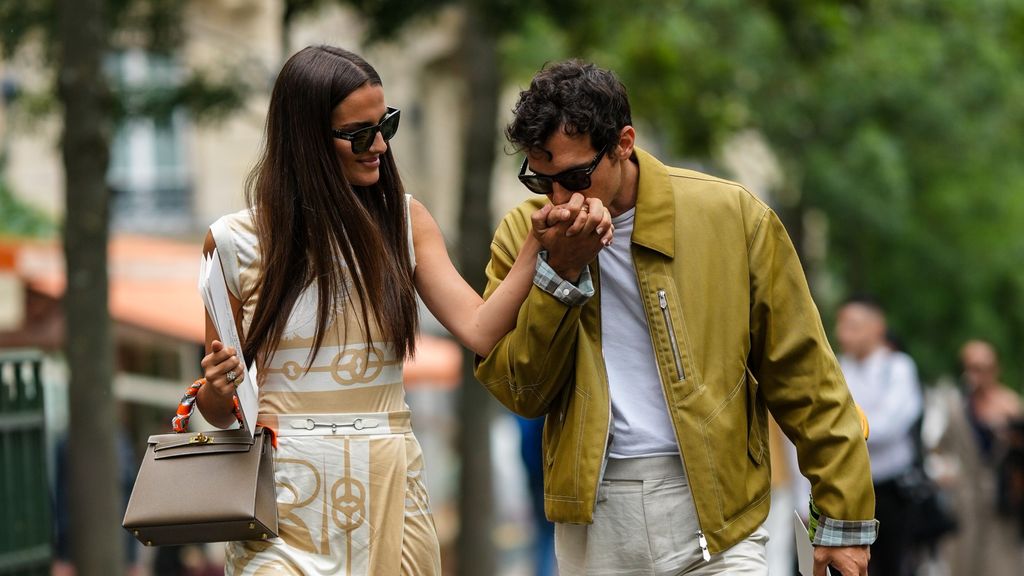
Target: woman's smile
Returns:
[[370, 161]]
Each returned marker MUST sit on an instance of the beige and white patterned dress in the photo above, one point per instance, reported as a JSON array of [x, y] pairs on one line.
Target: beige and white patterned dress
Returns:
[[349, 472]]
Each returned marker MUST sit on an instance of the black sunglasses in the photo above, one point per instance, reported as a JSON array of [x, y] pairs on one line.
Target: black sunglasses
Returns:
[[574, 179], [363, 138]]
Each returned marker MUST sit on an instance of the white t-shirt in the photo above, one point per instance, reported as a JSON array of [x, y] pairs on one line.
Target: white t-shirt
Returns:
[[885, 386], [641, 425]]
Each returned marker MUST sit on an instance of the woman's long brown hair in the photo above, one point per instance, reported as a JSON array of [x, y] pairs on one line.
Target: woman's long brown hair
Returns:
[[313, 226]]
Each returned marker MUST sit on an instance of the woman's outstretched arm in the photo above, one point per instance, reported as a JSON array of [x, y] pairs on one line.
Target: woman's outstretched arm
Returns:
[[476, 323]]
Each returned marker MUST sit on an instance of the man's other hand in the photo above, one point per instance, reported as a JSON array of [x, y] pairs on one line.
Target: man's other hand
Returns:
[[850, 560]]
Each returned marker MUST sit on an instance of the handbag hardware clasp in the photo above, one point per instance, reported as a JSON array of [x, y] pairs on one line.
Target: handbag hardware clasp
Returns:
[[358, 424], [200, 439]]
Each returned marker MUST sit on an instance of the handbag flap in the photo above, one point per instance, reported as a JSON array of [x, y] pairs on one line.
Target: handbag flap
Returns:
[[197, 443]]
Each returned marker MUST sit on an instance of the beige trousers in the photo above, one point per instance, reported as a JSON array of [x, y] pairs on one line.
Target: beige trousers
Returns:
[[645, 523]]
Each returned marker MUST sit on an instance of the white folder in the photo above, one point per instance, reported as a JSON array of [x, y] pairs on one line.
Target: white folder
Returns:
[[804, 548], [215, 296]]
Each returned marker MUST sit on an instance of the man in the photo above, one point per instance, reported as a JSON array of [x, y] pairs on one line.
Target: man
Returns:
[[655, 359], [993, 406], [978, 442], [884, 383]]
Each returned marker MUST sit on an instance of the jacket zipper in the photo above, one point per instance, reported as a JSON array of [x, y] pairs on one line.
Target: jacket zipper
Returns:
[[702, 542], [667, 315], [604, 371]]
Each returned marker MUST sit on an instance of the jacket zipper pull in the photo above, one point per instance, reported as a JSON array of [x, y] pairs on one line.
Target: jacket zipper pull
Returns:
[[703, 546], [667, 316]]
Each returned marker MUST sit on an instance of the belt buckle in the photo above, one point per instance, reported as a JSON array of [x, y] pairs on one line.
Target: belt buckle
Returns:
[[357, 424], [362, 424]]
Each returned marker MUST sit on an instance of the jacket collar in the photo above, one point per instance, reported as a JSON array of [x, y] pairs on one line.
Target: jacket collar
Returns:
[[654, 226]]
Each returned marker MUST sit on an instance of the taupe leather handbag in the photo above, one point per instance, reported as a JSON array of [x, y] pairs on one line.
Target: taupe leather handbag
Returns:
[[198, 487]]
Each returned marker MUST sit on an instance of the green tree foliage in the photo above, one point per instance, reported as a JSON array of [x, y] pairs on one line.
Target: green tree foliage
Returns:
[[901, 120], [20, 220], [154, 26]]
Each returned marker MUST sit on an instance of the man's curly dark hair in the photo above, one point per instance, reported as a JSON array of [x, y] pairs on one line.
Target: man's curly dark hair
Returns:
[[574, 96]]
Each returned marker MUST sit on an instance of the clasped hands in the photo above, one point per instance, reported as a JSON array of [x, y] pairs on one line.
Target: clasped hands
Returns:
[[573, 233]]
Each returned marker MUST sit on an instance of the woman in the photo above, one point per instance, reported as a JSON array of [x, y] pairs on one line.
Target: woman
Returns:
[[324, 269]]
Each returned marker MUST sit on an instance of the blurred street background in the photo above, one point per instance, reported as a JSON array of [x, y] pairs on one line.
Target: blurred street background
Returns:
[[889, 135]]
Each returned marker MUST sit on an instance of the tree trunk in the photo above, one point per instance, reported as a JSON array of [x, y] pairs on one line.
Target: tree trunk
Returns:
[[94, 489], [475, 545]]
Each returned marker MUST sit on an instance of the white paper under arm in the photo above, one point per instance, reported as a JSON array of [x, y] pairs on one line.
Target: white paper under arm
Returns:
[[214, 291]]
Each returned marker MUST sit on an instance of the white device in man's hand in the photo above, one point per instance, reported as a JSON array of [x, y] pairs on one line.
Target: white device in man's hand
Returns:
[[804, 548]]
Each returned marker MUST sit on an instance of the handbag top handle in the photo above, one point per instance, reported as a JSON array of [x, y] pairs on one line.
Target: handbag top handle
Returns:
[[188, 405]]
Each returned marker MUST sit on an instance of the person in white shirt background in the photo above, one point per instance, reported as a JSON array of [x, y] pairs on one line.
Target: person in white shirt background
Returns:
[[884, 383]]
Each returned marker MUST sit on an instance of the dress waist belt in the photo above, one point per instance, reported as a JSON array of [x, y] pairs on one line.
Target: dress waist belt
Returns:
[[348, 424]]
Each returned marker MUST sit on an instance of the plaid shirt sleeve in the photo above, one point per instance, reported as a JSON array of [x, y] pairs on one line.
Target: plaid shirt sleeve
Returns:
[[566, 292], [825, 531]]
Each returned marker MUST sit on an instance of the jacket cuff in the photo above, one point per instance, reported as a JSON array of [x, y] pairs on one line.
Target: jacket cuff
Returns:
[[564, 291], [825, 531]]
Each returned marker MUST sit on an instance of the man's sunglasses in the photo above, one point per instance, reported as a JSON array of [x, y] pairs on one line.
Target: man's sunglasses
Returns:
[[573, 180], [363, 138]]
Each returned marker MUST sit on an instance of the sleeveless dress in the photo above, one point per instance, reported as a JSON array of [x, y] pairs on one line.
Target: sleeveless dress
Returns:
[[348, 469]]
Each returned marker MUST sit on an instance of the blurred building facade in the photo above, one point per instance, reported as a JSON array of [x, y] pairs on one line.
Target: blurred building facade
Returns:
[[172, 177]]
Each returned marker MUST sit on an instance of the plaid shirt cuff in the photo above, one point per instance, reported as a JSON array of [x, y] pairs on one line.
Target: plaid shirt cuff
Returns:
[[566, 292], [825, 531]]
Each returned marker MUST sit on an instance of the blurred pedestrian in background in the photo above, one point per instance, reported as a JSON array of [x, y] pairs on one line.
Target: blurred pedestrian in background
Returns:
[[993, 407], [531, 432], [884, 383], [63, 564], [978, 456]]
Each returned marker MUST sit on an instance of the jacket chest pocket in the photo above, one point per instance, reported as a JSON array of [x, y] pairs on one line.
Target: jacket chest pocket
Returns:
[[666, 316], [668, 336]]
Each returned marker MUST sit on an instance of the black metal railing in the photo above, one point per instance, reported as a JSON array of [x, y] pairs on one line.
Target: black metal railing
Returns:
[[25, 520]]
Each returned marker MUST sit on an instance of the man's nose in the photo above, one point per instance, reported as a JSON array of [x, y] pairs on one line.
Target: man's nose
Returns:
[[559, 195]]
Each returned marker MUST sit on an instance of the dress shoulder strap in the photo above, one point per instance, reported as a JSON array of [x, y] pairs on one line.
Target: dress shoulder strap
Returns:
[[227, 248]]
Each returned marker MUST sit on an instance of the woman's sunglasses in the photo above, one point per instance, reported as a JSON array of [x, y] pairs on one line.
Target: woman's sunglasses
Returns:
[[363, 138], [573, 180]]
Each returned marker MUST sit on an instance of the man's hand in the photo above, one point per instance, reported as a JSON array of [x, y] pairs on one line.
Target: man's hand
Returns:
[[850, 560], [573, 233]]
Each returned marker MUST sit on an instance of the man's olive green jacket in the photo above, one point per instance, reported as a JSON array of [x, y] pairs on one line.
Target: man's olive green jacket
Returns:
[[735, 333]]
